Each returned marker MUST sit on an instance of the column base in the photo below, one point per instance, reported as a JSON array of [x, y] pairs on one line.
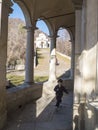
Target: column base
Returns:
[[28, 83], [52, 80]]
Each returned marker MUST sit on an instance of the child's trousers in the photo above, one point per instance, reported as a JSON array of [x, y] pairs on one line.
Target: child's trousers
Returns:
[[59, 100]]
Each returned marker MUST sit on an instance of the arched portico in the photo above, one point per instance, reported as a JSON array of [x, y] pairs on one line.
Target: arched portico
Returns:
[[30, 18], [75, 15]]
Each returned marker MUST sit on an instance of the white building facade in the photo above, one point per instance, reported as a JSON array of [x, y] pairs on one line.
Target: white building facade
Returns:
[[42, 41]]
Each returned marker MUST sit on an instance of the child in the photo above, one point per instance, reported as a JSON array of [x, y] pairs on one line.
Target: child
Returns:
[[59, 89]]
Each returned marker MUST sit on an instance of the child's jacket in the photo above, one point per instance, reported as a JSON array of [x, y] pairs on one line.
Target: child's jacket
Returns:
[[59, 90]]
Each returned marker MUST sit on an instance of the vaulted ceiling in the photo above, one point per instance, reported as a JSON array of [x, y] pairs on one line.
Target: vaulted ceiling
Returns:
[[59, 13]]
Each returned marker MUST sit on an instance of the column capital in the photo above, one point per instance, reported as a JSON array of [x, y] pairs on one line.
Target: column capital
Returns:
[[53, 36], [8, 4], [29, 28]]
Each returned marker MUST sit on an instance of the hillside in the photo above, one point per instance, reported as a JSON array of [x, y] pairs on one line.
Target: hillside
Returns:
[[41, 71], [17, 42]]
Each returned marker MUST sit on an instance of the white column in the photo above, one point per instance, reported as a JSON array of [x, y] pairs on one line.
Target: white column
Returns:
[[29, 67], [52, 71]]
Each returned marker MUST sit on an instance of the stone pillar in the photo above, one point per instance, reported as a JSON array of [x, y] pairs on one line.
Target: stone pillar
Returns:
[[29, 67], [83, 26], [4, 12], [96, 88], [79, 98], [52, 71], [77, 73], [91, 45], [72, 58]]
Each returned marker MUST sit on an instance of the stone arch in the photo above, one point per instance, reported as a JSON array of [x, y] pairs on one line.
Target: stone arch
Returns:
[[69, 32], [25, 12], [72, 51], [49, 27], [48, 24], [69, 72], [52, 56]]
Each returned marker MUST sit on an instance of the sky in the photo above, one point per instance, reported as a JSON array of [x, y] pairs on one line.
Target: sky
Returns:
[[17, 13]]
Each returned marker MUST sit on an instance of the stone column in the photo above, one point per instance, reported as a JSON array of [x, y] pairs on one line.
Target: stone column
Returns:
[[96, 88], [4, 12], [83, 26], [77, 73], [72, 58], [92, 44], [79, 97], [29, 67], [52, 69], [80, 53]]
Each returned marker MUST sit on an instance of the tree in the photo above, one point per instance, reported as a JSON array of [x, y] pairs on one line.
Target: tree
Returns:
[[16, 41]]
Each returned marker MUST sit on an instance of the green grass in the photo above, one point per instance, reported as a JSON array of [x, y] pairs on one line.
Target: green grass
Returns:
[[40, 55], [18, 80], [15, 80], [40, 78], [63, 58]]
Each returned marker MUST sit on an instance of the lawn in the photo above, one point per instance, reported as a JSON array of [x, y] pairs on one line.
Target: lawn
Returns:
[[18, 80]]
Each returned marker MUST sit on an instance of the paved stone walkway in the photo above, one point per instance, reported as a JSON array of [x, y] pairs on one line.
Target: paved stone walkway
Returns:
[[43, 115]]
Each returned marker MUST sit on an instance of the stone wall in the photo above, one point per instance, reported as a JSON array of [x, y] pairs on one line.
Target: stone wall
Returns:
[[86, 57], [86, 117], [91, 23], [19, 96], [91, 116], [68, 83], [85, 85]]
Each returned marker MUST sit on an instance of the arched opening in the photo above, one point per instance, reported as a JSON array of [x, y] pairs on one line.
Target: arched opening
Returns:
[[64, 52], [42, 26], [16, 48], [42, 45]]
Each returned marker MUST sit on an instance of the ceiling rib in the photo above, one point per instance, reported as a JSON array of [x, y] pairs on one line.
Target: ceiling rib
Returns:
[[56, 16]]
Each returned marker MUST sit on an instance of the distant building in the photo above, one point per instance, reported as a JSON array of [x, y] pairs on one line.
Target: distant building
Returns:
[[42, 41]]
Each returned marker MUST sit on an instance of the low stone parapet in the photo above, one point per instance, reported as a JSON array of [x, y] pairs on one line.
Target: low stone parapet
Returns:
[[19, 96], [68, 83], [19, 67]]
